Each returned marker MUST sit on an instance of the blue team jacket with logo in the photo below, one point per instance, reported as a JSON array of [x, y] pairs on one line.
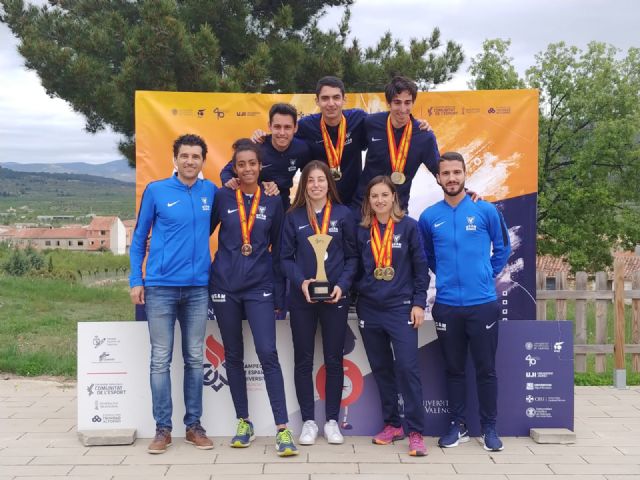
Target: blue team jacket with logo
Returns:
[[179, 218], [298, 257], [423, 150], [278, 167], [351, 164], [233, 272], [409, 285], [458, 244]]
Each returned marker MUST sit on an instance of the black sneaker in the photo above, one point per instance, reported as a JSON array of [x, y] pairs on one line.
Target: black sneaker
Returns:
[[490, 439], [457, 434]]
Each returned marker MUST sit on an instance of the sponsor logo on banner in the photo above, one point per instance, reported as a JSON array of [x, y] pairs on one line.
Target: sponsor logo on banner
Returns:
[[470, 111], [247, 114], [540, 346], [443, 110], [557, 347], [541, 412], [106, 341], [436, 407], [182, 112], [214, 371], [201, 112], [107, 418], [97, 341], [499, 110], [531, 360], [106, 389], [98, 405], [218, 113], [538, 374], [538, 386], [254, 375]]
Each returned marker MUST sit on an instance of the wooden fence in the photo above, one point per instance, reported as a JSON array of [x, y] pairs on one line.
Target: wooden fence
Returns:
[[603, 296]]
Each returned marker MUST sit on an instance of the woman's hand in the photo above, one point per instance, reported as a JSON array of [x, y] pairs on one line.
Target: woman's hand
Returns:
[[305, 289], [336, 295]]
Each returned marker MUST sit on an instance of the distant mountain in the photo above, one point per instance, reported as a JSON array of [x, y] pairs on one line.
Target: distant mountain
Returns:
[[118, 169]]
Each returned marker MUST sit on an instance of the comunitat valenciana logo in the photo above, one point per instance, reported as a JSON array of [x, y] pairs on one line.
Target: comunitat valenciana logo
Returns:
[[214, 370]]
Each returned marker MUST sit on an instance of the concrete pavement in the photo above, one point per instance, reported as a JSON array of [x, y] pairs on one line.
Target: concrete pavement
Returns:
[[38, 440]]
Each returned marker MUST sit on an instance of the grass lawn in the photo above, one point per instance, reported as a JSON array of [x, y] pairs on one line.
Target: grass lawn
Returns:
[[38, 321]]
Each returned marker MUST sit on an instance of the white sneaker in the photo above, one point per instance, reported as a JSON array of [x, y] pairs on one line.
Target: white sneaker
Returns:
[[332, 433], [309, 433]]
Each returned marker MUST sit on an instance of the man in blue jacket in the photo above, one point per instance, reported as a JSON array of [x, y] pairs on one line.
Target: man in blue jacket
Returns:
[[175, 286], [467, 246]]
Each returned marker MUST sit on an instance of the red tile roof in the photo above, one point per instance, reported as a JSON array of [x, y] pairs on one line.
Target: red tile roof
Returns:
[[553, 265], [102, 223]]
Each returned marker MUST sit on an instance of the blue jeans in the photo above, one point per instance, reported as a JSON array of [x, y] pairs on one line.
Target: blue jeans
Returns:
[[163, 306]]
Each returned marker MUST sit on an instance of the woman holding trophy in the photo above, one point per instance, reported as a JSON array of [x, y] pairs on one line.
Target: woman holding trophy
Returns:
[[320, 259], [244, 279], [392, 293]]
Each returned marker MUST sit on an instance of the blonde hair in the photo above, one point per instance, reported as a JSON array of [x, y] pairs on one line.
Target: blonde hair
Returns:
[[367, 212]]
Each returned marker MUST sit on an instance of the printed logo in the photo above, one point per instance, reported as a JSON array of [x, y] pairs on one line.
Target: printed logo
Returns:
[[531, 412], [96, 419], [557, 347], [528, 346], [205, 206], [214, 370], [229, 211], [218, 297], [373, 139], [266, 165], [303, 226], [292, 165], [265, 294], [531, 360], [102, 389], [488, 327], [171, 204], [104, 357], [529, 399], [333, 226], [97, 341], [90, 389], [262, 211], [439, 224], [471, 227], [360, 323], [442, 327], [204, 200], [201, 113], [218, 113], [396, 241]]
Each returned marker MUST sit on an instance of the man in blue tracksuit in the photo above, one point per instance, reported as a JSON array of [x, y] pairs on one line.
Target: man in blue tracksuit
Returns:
[[467, 246], [282, 153], [386, 133], [175, 286]]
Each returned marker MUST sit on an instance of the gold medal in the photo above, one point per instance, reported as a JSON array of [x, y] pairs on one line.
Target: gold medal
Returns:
[[336, 174], [398, 178], [378, 273], [246, 225], [388, 273], [246, 249]]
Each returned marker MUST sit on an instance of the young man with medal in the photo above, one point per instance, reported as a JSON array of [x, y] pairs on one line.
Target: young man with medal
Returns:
[[467, 246], [316, 212], [397, 145], [245, 279], [392, 293], [283, 154], [174, 287]]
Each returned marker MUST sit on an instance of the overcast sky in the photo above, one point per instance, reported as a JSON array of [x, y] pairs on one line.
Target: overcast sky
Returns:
[[36, 128]]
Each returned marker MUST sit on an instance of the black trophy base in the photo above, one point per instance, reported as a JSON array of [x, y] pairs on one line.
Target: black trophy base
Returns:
[[320, 291]]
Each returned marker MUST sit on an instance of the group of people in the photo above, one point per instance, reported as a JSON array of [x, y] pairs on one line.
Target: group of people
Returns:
[[351, 223]]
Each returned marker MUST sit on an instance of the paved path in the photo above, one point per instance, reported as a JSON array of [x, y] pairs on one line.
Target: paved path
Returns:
[[38, 440]]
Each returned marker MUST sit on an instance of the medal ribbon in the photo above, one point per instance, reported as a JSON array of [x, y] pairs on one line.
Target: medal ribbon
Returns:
[[334, 153], [247, 226], [381, 249], [398, 155], [325, 220]]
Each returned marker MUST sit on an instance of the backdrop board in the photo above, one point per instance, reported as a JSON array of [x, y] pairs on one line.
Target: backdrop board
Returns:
[[535, 371], [496, 131]]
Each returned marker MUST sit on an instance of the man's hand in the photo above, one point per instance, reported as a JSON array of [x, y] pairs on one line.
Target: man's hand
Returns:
[[474, 195], [305, 289], [270, 189], [424, 125], [258, 136], [336, 295], [137, 295], [233, 184], [417, 316]]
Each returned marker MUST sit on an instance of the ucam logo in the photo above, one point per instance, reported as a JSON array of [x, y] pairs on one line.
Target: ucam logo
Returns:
[[214, 370], [333, 226], [262, 213], [471, 226], [396, 241]]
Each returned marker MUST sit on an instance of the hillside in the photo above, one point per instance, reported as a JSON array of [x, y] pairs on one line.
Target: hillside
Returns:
[[118, 169], [24, 196]]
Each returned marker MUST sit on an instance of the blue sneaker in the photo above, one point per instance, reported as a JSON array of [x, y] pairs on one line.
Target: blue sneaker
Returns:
[[284, 444], [244, 434], [490, 439], [457, 434]]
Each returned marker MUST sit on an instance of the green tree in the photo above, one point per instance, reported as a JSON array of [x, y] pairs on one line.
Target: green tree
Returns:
[[589, 150], [17, 264], [493, 69], [95, 54]]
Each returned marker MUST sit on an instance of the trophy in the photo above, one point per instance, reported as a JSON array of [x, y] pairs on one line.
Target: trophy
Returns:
[[320, 289]]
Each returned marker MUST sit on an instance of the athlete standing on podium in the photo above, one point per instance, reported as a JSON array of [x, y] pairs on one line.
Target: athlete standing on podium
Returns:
[[246, 279]]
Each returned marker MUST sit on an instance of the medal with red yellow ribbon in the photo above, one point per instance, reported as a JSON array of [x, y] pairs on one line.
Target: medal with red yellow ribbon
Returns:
[[325, 220], [246, 225], [334, 153], [381, 250], [398, 155]]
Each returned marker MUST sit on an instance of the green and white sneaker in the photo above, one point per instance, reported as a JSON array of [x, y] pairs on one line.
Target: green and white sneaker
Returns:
[[284, 444], [244, 434]]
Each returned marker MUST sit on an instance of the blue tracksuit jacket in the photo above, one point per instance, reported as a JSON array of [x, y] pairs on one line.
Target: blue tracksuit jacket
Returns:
[[351, 164], [179, 250], [458, 244]]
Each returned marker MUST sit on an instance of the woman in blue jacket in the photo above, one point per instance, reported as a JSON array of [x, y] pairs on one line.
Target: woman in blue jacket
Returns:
[[316, 209], [245, 280], [392, 291]]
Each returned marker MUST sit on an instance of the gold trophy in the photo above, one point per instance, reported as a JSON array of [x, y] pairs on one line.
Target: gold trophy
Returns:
[[320, 289]]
